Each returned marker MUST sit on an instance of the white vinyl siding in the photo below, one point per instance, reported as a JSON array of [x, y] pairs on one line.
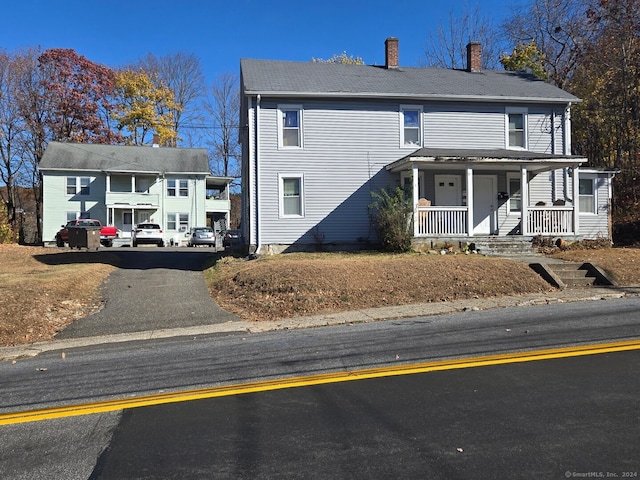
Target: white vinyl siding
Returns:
[[463, 126], [594, 224], [347, 145]]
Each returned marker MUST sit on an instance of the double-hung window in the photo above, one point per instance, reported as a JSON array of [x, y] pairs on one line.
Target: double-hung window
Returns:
[[290, 126], [178, 221], [177, 188], [587, 195], [410, 121], [291, 196], [78, 186], [516, 128]]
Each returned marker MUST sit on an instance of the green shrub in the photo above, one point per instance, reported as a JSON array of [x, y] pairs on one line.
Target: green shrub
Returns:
[[391, 212]]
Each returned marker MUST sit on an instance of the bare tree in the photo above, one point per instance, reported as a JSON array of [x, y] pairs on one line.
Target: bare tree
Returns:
[[447, 46], [560, 29], [223, 107], [182, 74], [11, 132], [31, 99]]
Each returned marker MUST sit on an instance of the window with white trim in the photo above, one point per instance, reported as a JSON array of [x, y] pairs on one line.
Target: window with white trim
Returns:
[[290, 126], [72, 216], [516, 128], [410, 123], [515, 192], [177, 187], [78, 185], [291, 196], [587, 195], [178, 221]]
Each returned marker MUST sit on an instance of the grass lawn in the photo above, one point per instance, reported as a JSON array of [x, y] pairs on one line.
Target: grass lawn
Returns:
[[42, 290]]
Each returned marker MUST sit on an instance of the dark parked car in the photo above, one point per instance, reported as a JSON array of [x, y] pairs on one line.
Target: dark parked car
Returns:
[[231, 239], [201, 236]]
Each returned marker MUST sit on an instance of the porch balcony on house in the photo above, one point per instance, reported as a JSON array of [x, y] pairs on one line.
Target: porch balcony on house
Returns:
[[217, 194], [125, 189], [474, 210]]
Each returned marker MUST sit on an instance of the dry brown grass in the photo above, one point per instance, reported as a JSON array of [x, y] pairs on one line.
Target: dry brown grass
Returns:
[[623, 264], [304, 284], [44, 290]]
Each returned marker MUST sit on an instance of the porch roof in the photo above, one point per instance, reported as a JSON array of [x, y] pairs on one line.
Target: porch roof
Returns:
[[478, 159]]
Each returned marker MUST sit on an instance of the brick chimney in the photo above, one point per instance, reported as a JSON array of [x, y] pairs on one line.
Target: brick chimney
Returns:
[[156, 140], [474, 57], [391, 52]]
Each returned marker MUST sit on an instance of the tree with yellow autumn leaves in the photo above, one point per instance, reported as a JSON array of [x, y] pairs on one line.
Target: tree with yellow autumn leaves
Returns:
[[143, 108]]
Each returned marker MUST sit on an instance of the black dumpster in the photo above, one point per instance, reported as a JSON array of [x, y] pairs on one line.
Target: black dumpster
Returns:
[[84, 237]]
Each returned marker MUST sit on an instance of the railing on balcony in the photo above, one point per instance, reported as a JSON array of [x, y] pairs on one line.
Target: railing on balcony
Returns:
[[214, 204], [550, 220], [131, 198], [442, 221]]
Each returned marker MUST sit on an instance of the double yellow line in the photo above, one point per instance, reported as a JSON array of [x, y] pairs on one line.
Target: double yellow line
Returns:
[[319, 379]]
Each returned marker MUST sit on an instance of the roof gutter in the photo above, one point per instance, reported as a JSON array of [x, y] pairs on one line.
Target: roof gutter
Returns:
[[407, 96]]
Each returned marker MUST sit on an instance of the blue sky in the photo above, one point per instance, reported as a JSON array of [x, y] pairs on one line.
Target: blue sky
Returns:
[[219, 33]]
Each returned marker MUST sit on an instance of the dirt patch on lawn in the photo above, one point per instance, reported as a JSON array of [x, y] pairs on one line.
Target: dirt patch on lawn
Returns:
[[44, 290], [304, 284]]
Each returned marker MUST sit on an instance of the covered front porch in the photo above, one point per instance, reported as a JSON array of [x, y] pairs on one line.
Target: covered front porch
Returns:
[[465, 193]]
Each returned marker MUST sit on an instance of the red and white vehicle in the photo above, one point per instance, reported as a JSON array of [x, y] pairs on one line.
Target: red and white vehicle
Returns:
[[107, 232]]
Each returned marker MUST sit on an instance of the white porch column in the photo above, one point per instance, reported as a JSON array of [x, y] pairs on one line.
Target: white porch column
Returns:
[[470, 201], [108, 183], [576, 199], [133, 183], [415, 193], [524, 200]]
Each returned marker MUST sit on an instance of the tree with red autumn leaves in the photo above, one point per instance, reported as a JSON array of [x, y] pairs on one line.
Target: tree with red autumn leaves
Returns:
[[78, 94]]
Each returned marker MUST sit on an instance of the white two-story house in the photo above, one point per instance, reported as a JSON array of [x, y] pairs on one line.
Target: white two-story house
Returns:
[[487, 154], [127, 185]]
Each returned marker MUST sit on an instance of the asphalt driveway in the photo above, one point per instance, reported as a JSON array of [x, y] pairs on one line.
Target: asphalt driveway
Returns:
[[153, 288]]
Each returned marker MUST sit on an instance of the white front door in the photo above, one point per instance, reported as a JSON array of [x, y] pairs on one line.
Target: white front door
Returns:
[[448, 191], [485, 194]]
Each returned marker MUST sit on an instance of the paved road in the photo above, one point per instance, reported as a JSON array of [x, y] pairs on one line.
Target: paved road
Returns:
[[153, 288], [125, 370], [519, 421]]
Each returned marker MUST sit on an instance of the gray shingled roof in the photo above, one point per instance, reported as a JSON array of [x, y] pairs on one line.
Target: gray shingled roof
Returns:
[[118, 158], [282, 78]]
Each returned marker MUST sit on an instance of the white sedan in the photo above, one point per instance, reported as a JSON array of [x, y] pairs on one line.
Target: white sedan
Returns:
[[147, 233]]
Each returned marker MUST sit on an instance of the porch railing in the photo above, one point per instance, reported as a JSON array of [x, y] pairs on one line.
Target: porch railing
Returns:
[[442, 220], [550, 220], [131, 198]]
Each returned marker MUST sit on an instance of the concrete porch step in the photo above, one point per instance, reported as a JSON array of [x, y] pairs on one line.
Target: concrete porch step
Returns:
[[572, 275]]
